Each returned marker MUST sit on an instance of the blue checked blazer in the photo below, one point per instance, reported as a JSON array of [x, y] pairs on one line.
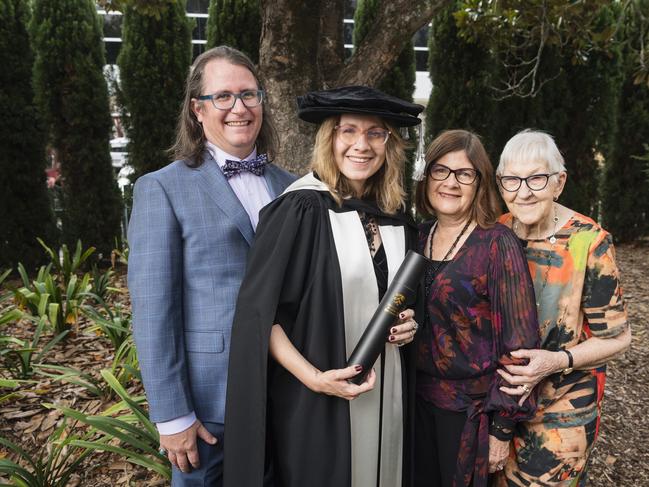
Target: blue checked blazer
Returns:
[[189, 237]]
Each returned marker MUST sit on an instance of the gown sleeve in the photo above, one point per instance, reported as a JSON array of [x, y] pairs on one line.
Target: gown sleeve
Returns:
[[602, 300], [277, 270], [515, 326]]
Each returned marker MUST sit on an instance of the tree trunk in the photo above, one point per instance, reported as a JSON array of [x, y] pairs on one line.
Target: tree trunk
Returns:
[[301, 49]]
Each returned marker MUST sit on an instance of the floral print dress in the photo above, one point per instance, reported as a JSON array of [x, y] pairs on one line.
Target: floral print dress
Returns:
[[479, 307], [578, 295]]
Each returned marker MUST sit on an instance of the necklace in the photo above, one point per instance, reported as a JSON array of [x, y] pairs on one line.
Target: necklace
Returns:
[[431, 270], [369, 225], [552, 239], [450, 250]]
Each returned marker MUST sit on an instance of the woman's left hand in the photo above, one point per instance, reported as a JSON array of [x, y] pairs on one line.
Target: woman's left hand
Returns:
[[404, 330], [523, 378], [498, 453]]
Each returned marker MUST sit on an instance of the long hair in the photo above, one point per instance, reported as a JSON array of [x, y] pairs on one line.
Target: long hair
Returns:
[[485, 209], [385, 186], [190, 139]]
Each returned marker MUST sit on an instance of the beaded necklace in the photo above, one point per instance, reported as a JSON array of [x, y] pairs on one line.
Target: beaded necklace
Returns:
[[433, 267]]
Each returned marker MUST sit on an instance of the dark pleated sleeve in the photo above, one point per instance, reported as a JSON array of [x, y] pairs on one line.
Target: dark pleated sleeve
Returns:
[[514, 321], [275, 278]]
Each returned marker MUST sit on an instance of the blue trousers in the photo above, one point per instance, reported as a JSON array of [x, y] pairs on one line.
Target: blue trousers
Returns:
[[210, 472]]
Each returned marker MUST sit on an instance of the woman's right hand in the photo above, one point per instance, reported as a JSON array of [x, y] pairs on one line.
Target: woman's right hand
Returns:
[[334, 382]]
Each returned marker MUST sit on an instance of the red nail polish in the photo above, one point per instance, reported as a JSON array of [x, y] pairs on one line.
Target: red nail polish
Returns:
[[391, 338], [393, 330], [358, 368], [402, 315]]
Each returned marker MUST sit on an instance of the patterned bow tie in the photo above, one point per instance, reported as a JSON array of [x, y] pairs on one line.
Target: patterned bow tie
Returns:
[[255, 166]]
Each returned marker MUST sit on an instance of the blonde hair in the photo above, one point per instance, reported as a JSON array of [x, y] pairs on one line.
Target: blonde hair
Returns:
[[385, 186]]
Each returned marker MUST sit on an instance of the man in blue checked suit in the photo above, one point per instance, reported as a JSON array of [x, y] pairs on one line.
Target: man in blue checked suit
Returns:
[[190, 231]]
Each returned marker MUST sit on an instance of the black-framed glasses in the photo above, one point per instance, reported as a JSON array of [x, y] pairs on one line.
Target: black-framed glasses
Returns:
[[350, 135], [536, 182], [225, 100], [464, 175]]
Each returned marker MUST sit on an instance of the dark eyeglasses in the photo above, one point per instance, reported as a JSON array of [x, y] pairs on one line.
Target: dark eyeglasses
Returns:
[[464, 175], [536, 182], [224, 100]]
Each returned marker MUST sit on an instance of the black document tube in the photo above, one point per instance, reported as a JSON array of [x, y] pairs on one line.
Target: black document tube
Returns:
[[401, 292]]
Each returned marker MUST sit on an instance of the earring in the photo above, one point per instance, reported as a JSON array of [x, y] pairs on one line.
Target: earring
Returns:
[[555, 199]]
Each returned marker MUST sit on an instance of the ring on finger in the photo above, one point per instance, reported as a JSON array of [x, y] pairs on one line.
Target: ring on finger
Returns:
[[400, 344], [526, 388]]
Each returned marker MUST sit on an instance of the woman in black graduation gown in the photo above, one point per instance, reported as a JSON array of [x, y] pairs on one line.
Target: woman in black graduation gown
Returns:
[[324, 254]]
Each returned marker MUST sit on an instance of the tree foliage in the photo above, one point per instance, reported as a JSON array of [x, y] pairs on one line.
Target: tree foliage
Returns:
[[524, 31], [26, 212], [461, 72], [72, 94], [235, 23], [153, 61], [626, 185]]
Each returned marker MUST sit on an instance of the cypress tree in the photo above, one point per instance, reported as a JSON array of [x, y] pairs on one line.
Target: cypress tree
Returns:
[[72, 94], [460, 72], [235, 23], [26, 212], [398, 81], [153, 61], [579, 108], [626, 182]]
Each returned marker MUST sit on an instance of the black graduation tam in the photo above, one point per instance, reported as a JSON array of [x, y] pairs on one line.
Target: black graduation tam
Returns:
[[316, 106]]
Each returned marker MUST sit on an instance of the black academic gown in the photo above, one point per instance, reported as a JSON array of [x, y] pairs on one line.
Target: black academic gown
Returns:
[[293, 278]]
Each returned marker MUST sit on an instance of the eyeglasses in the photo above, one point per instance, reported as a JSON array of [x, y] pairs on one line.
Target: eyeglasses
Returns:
[[536, 182], [224, 100], [350, 135], [464, 175]]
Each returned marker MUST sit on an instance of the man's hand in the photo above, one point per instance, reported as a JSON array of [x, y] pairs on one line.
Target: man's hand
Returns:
[[181, 447]]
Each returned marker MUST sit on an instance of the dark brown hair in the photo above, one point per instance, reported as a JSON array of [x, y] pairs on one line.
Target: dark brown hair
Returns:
[[485, 209], [190, 139]]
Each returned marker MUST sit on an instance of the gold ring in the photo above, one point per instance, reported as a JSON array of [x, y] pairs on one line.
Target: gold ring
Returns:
[[526, 388]]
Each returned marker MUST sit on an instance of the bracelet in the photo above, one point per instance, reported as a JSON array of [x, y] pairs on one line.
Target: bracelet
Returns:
[[500, 431], [568, 369]]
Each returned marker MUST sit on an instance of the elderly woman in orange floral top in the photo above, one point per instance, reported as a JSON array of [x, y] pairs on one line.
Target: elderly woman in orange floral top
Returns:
[[582, 317]]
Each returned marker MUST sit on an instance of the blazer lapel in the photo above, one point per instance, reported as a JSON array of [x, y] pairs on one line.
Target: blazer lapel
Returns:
[[272, 175], [219, 190]]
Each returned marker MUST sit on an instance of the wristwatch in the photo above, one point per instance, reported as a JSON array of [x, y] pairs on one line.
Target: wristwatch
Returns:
[[568, 369]]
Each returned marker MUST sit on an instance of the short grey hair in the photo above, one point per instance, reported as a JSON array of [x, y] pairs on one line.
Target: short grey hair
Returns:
[[529, 146]]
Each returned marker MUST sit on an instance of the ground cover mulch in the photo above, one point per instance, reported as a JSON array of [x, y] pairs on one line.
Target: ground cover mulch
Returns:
[[621, 456]]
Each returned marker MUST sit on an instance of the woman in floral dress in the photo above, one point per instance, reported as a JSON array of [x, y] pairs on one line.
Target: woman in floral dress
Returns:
[[582, 318]]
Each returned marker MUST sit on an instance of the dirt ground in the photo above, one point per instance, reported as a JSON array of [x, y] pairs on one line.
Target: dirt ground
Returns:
[[621, 455], [620, 459]]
